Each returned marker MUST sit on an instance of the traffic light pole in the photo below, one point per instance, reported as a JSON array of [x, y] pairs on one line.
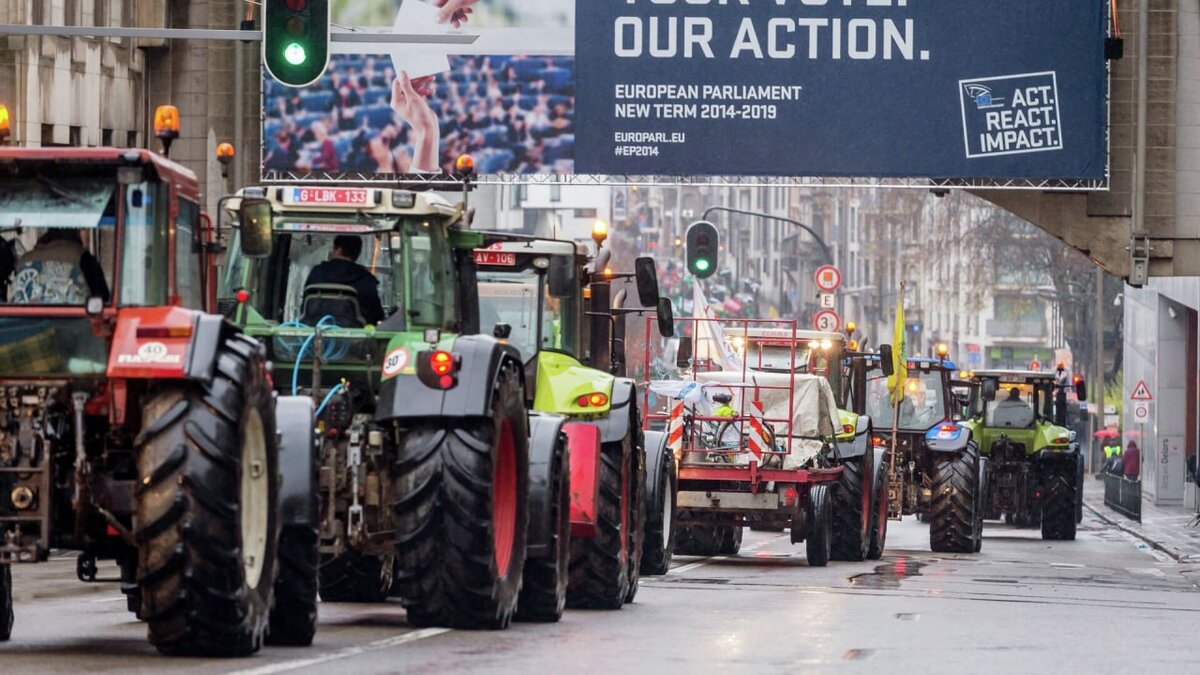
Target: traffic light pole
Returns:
[[356, 37], [820, 242]]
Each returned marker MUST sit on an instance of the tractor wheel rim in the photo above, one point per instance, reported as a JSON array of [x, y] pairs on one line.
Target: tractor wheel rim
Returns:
[[504, 500], [254, 505], [667, 524]]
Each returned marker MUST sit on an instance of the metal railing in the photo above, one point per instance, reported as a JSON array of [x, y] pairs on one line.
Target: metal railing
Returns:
[[1123, 496]]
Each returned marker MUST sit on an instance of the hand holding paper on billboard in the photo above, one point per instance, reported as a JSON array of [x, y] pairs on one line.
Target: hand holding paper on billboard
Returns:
[[420, 18], [455, 11], [414, 109]]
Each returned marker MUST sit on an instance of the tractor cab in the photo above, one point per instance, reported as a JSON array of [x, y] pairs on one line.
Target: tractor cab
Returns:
[[1027, 408], [330, 278], [928, 396], [86, 234]]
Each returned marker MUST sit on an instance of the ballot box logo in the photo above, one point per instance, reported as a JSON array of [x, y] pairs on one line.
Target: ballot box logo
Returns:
[[1011, 115]]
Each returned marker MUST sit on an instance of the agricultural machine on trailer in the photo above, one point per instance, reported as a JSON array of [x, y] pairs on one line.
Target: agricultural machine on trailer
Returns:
[[560, 314], [758, 444], [134, 426], [939, 474], [1020, 418]]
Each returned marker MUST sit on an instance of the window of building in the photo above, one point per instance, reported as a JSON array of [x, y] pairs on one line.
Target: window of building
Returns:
[[106, 138], [71, 12], [76, 137], [47, 135], [131, 140]]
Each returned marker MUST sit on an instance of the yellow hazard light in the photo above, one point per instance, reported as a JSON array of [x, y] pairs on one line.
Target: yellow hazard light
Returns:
[[851, 328], [853, 345], [943, 349], [225, 152], [600, 231], [166, 122], [465, 164], [5, 129]]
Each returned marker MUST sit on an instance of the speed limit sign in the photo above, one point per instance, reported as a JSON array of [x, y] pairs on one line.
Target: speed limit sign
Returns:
[[827, 321]]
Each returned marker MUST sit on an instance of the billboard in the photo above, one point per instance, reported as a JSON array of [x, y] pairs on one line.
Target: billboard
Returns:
[[970, 89], [498, 81], [885, 88]]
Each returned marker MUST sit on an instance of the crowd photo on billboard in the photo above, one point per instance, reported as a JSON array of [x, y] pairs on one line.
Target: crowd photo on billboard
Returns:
[[403, 110]]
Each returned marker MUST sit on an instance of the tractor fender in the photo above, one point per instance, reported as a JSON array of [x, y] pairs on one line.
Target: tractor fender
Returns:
[[616, 425], [658, 460], [547, 444], [862, 440], [480, 359], [155, 343], [298, 461], [942, 438], [583, 443]]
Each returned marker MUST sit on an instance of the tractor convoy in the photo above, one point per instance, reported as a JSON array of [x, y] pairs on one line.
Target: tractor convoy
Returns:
[[348, 394]]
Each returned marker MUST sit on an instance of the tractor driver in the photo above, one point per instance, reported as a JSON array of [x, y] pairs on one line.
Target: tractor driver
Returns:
[[343, 269], [1013, 400], [58, 271]]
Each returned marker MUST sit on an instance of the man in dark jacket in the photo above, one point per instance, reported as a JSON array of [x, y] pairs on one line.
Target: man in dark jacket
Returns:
[[342, 268]]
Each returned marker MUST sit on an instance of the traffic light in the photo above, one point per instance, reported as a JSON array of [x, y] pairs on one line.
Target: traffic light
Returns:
[[702, 245], [296, 40]]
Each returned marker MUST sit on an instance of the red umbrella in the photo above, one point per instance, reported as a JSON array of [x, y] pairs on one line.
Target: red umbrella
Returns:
[[1107, 434]]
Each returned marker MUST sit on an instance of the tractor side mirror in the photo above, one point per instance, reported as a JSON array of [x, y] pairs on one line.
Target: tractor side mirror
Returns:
[[560, 277], [988, 390], [1081, 390], [257, 224], [683, 357], [885, 360], [647, 282], [666, 320]]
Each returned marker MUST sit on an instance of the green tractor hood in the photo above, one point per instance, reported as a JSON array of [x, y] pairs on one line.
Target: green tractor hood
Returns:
[[562, 381]]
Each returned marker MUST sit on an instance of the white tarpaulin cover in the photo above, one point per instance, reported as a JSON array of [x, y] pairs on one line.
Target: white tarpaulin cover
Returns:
[[814, 414]]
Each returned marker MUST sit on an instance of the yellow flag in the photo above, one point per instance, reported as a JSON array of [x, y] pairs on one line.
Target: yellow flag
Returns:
[[899, 354]]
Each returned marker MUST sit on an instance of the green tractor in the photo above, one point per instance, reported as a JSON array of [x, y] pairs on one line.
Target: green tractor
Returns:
[[547, 299], [425, 441], [1019, 419]]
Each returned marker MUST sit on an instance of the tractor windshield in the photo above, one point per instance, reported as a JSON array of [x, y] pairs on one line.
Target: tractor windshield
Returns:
[[1020, 405], [521, 299], [922, 407], [352, 273], [57, 240]]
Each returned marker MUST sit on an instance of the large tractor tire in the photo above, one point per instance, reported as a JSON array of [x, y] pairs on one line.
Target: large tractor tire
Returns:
[[731, 540], [818, 546], [1058, 504], [879, 514], [953, 520], [294, 616], [660, 518], [6, 602], [354, 577], [637, 519], [703, 540], [981, 505], [1080, 475], [207, 508], [601, 565], [461, 510], [852, 511], [544, 586]]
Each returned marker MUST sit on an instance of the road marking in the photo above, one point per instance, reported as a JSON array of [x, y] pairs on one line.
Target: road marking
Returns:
[[345, 653], [116, 599], [704, 561], [1069, 566]]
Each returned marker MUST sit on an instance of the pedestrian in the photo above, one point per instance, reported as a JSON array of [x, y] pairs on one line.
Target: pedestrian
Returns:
[[1132, 461], [1112, 464]]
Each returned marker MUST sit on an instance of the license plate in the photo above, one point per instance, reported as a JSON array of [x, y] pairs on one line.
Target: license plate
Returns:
[[328, 197], [499, 258]]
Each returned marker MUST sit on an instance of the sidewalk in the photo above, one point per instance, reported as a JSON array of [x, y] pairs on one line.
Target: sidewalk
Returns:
[[1166, 528]]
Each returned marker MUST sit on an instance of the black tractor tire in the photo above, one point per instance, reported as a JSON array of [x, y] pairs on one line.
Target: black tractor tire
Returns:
[[818, 546], [955, 500], [637, 517], [1058, 505], [981, 507], [879, 514], [1080, 476], [6, 603], [354, 577], [601, 564], [852, 511], [731, 540], [544, 580], [702, 540], [129, 586], [660, 521], [204, 450], [294, 616], [461, 507]]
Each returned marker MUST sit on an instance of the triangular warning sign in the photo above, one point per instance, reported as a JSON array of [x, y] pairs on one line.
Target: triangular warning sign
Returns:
[[1141, 392]]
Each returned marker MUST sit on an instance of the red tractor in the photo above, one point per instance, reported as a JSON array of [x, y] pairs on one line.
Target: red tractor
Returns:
[[135, 426]]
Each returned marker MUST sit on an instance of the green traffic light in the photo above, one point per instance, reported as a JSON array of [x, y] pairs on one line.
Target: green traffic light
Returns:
[[702, 265], [295, 54]]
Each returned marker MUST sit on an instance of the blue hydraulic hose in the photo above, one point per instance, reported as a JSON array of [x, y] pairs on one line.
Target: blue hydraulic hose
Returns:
[[304, 348], [329, 397]]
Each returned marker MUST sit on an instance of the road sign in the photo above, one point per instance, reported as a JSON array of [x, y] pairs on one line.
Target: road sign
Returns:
[[827, 321], [1141, 412], [828, 301], [1141, 392], [828, 278]]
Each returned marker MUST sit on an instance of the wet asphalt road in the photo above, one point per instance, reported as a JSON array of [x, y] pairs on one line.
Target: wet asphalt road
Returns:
[[1099, 604]]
